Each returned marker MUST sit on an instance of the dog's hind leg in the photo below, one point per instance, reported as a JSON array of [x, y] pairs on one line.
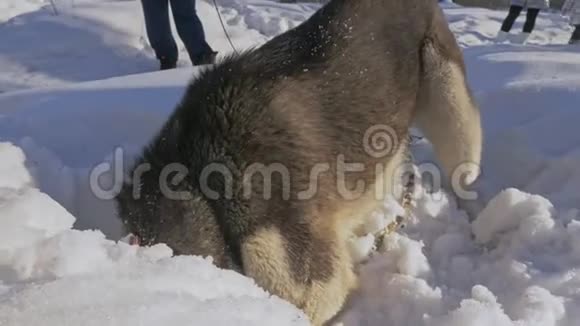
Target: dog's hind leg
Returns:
[[327, 297], [320, 289]]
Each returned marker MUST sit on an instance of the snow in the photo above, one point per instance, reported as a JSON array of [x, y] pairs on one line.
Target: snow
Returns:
[[513, 258], [267, 17], [105, 37], [9, 9], [51, 274]]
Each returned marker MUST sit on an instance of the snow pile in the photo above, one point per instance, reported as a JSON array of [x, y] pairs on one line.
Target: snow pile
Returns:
[[53, 275], [515, 265]]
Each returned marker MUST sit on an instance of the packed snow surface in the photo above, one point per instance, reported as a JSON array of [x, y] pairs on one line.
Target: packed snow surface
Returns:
[[80, 94]]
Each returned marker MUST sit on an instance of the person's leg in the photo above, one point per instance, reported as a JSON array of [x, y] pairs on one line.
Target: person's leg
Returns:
[[191, 31], [575, 37], [510, 19], [531, 17], [158, 28], [532, 14]]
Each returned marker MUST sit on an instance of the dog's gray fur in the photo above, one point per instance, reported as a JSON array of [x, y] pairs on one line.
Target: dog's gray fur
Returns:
[[304, 98]]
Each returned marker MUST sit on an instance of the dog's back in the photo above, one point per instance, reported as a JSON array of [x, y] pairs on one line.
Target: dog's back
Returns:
[[266, 138]]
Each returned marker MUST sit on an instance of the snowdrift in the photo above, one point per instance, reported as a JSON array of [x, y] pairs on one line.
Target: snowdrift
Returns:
[[51, 274]]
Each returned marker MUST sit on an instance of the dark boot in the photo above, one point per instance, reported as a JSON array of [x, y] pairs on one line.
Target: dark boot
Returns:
[[167, 64], [575, 37], [205, 59]]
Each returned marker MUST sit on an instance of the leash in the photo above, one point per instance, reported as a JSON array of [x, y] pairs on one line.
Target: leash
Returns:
[[224, 27], [406, 203]]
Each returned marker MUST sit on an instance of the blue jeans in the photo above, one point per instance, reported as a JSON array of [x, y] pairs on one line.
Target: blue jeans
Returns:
[[188, 26]]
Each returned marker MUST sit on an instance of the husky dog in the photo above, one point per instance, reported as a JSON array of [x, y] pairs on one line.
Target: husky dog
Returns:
[[251, 134]]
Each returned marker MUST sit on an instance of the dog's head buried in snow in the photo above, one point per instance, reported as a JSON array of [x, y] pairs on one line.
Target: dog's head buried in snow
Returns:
[[280, 118]]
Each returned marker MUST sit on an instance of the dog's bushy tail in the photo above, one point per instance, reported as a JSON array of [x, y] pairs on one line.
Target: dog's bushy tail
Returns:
[[447, 113]]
